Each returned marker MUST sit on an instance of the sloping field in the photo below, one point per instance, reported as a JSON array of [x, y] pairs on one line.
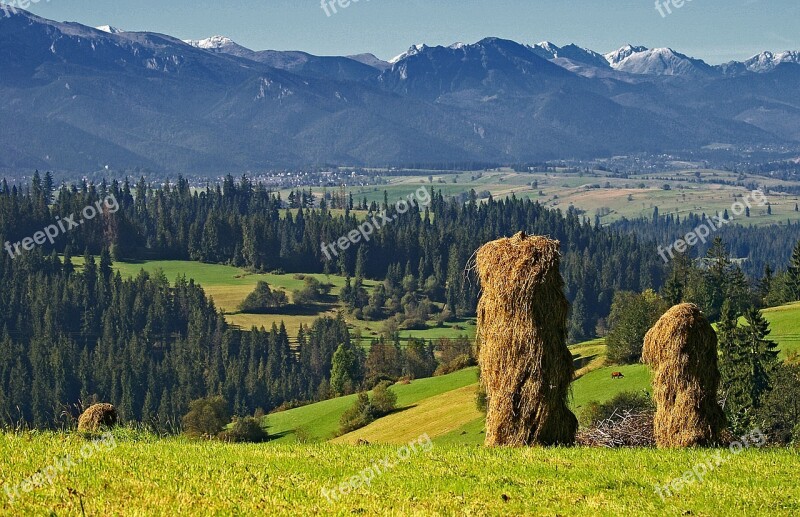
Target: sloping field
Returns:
[[434, 416], [785, 324], [321, 420]]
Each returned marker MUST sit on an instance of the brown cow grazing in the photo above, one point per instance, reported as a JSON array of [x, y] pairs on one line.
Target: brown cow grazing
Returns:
[[617, 375]]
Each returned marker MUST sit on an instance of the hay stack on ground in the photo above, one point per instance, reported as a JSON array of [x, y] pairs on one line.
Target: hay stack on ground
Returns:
[[97, 417], [682, 350], [526, 367]]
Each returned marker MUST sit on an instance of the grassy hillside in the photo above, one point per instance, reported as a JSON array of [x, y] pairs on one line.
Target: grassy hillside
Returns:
[[437, 415], [785, 324], [321, 420], [145, 476], [450, 417]]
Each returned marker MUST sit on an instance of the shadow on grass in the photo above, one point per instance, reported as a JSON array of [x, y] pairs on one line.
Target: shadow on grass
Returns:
[[289, 310], [581, 361]]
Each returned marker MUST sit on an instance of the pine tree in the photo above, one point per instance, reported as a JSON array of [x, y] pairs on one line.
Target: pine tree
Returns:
[[765, 284], [344, 370], [737, 290], [762, 354], [729, 335], [716, 278], [748, 360], [793, 274]]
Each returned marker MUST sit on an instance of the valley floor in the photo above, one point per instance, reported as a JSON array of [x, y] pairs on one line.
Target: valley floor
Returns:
[[142, 475]]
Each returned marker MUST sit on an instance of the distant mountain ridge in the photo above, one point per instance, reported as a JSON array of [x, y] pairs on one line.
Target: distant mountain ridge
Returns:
[[77, 98]]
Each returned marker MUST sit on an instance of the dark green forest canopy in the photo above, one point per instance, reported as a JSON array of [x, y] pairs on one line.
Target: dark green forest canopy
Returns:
[[69, 335], [245, 225]]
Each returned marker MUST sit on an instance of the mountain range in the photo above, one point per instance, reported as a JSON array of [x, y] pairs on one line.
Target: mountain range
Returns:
[[76, 98]]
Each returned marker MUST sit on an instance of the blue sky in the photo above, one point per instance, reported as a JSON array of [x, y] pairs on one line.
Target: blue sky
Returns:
[[714, 30]]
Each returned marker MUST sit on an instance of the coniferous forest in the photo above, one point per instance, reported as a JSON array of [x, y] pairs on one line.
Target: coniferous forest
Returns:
[[70, 335]]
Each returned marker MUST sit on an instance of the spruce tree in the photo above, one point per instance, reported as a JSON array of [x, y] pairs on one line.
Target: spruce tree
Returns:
[[765, 284], [793, 274], [762, 354], [748, 361], [716, 277]]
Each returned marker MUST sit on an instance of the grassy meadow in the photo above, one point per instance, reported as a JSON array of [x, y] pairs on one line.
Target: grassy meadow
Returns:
[[137, 474], [691, 190], [320, 421], [142, 475]]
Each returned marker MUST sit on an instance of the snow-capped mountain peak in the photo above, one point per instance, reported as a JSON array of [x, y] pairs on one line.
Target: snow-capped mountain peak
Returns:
[[569, 55], [657, 61], [545, 49], [414, 50], [109, 29], [620, 55], [768, 61], [212, 43], [548, 46]]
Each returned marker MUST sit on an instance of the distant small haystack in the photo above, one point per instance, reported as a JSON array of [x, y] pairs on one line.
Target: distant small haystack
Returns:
[[682, 350], [526, 367], [97, 417]]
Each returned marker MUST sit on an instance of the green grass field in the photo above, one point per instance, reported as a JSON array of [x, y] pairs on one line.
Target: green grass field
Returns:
[[321, 420], [631, 197], [229, 286], [449, 412], [140, 475], [785, 324]]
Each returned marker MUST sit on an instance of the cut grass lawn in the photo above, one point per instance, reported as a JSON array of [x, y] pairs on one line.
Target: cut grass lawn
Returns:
[[147, 476]]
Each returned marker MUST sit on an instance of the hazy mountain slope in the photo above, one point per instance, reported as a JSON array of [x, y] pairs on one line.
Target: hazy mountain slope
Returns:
[[78, 99]]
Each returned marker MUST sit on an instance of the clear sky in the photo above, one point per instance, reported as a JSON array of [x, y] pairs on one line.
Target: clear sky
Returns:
[[714, 30]]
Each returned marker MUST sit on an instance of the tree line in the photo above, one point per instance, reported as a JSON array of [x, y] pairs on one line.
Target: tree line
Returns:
[[246, 225]]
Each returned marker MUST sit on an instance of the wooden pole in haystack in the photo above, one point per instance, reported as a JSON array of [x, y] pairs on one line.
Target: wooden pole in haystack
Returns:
[[526, 367], [682, 350]]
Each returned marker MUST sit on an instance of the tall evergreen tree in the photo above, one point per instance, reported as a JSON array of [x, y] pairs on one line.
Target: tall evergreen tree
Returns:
[[793, 280]]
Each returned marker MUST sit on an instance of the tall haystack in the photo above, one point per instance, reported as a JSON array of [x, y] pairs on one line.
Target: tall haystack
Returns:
[[526, 367], [682, 350], [97, 417]]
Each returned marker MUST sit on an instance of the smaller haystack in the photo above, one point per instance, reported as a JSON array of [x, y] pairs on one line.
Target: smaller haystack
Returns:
[[526, 367], [97, 417], [682, 350]]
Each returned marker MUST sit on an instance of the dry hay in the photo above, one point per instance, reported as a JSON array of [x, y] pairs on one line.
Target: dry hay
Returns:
[[97, 417], [622, 429], [682, 350], [526, 367]]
